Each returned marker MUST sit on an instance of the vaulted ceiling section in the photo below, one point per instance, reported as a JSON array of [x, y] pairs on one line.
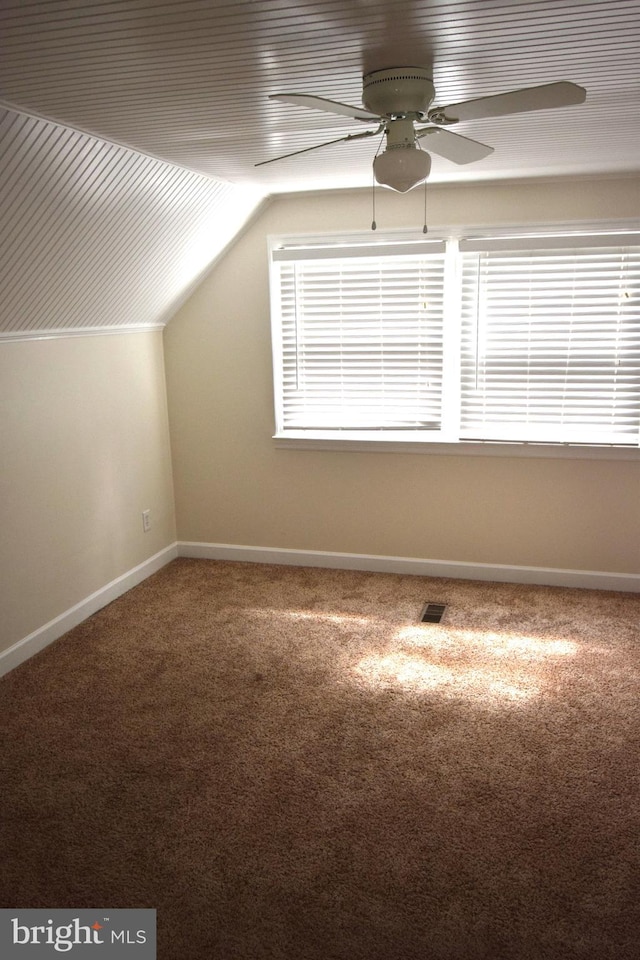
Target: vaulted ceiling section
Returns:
[[96, 236], [132, 128]]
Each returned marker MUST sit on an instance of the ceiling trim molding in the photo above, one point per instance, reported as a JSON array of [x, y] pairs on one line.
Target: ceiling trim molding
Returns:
[[68, 332]]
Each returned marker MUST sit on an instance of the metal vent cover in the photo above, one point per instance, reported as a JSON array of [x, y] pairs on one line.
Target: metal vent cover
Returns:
[[432, 612]]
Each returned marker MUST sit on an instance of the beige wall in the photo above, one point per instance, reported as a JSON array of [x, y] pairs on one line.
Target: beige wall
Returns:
[[85, 448], [234, 486]]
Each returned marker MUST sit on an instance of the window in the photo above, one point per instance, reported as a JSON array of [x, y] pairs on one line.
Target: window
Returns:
[[512, 340]]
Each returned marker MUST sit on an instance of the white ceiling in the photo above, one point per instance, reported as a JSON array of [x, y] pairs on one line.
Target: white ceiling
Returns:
[[188, 82], [95, 236]]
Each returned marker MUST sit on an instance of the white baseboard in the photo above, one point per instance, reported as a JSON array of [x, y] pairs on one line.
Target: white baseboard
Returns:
[[45, 635], [550, 576], [36, 641]]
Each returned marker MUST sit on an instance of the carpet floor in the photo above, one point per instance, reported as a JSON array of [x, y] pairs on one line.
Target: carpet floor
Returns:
[[286, 763]]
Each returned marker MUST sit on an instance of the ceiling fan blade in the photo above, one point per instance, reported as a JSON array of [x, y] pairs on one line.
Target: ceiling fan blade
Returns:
[[561, 94], [352, 136], [329, 106], [452, 146]]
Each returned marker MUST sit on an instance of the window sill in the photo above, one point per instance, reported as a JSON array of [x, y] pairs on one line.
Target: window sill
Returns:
[[461, 448]]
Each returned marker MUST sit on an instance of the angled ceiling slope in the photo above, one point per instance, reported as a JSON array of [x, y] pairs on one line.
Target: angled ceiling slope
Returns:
[[99, 237], [109, 228], [190, 80]]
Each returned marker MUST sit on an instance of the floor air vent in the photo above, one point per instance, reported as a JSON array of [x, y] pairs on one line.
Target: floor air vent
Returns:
[[432, 613]]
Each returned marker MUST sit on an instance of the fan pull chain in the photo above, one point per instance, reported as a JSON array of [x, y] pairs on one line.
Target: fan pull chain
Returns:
[[374, 225], [424, 229]]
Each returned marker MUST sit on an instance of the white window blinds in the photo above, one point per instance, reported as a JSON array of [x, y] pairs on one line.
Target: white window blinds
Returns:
[[360, 338], [550, 346], [487, 339]]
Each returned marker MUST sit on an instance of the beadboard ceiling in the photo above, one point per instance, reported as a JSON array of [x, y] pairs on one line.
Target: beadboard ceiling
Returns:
[[188, 82], [99, 237], [130, 130]]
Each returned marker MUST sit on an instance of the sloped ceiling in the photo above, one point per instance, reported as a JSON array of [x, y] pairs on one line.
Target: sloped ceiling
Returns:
[[132, 127], [189, 81], [96, 236]]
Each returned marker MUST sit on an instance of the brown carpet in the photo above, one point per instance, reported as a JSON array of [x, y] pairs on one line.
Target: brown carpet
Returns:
[[286, 764]]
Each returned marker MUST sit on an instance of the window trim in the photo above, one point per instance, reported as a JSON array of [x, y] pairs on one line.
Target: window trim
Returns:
[[467, 239], [461, 448]]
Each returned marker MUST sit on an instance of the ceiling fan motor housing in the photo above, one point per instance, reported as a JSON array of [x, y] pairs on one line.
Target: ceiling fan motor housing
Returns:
[[398, 91]]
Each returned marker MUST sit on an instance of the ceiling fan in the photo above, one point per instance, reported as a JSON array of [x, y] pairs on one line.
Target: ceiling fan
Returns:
[[399, 99]]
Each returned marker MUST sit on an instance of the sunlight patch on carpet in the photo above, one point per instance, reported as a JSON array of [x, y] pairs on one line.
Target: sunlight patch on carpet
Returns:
[[496, 644], [414, 673]]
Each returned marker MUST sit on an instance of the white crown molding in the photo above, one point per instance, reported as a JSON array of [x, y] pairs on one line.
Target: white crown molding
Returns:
[[66, 332]]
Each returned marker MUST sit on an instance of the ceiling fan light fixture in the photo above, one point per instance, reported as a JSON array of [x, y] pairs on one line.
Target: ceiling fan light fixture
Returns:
[[397, 98], [401, 167]]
